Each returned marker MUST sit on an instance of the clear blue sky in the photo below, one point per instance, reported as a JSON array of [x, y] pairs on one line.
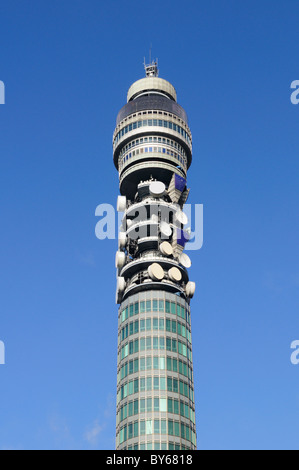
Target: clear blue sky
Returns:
[[67, 65]]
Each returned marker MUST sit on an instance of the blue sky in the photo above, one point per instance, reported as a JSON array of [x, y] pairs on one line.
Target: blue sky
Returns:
[[67, 66]]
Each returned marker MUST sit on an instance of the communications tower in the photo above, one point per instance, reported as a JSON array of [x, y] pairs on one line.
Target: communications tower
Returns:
[[152, 151]]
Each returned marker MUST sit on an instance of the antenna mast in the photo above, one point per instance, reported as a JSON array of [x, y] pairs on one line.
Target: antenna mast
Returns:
[[151, 69]]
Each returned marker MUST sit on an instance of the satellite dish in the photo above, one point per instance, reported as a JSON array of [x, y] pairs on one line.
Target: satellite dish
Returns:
[[121, 203], [121, 284], [157, 189], [190, 289], [181, 217], [122, 240], [166, 230], [175, 274], [185, 260], [129, 223], [166, 249], [156, 272], [120, 259]]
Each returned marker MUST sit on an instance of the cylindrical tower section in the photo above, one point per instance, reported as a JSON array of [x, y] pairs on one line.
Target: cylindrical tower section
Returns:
[[152, 150]]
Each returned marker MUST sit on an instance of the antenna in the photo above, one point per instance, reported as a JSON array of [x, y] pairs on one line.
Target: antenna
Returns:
[[151, 70]]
